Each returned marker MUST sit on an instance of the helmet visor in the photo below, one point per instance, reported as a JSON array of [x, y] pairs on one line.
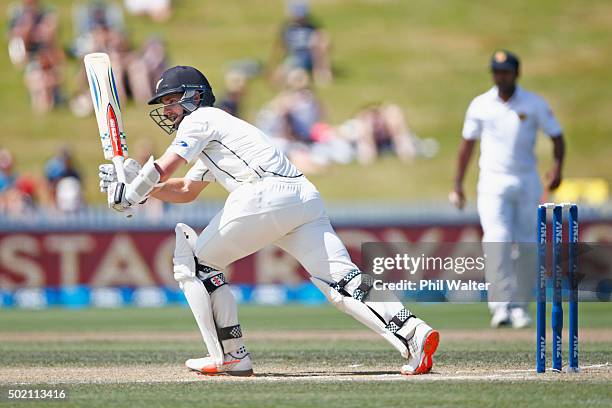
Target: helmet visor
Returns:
[[169, 124]]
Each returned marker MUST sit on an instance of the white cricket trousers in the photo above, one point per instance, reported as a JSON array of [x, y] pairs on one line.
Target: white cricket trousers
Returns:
[[507, 207], [288, 213]]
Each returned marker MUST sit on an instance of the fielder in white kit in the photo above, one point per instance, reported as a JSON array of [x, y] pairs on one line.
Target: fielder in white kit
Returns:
[[269, 202], [506, 120]]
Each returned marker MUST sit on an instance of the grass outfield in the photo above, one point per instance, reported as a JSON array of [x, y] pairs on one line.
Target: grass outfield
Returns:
[[337, 394], [428, 56], [304, 356]]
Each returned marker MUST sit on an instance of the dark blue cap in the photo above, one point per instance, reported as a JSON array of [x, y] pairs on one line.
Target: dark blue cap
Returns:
[[177, 79], [504, 61]]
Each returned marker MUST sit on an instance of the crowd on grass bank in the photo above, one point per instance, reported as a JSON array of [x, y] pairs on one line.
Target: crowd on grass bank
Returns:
[[97, 26], [59, 189], [299, 63]]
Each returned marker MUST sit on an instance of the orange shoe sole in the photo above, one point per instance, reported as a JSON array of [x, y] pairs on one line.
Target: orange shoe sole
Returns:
[[212, 371], [431, 345], [244, 373]]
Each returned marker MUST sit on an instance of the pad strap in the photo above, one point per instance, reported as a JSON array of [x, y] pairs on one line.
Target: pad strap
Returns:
[[203, 268], [213, 282], [229, 332], [346, 279], [399, 320], [362, 290]]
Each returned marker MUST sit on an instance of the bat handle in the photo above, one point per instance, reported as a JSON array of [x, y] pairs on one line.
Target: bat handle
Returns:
[[118, 162]]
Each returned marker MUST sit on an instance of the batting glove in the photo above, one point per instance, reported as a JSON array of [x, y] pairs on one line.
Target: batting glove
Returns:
[[116, 197], [108, 174]]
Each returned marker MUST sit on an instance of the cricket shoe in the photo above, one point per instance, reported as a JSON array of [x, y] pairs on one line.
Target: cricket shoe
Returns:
[[235, 364], [520, 318], [501, 318], [422, 346]]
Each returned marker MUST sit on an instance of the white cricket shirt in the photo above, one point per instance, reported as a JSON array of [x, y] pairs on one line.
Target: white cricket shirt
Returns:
[[507, 130], [228, 150]]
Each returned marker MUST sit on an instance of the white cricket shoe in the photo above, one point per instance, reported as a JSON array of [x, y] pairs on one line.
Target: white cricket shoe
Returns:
[[234, 364], [520, 318], [422, 346], [501, 318]]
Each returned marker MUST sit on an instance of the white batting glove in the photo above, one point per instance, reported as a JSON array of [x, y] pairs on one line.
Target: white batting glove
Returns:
[[116, 197], [108, 174]]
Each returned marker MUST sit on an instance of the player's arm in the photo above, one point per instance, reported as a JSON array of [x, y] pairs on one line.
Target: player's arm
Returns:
[[167, 164], [472, 129], [457, 197], [548, 123], [179, 190], [184, 189], [463, 159], [121, 196], [191, 138], [174, 190], [554, 175]]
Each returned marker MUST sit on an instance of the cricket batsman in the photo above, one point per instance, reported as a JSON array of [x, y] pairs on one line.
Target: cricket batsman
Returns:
[[269, 202]]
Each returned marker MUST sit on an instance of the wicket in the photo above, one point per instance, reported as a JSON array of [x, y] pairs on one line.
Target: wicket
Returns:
[[557, 286]]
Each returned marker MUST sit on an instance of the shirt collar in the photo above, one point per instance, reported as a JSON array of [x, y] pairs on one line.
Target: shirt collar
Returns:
[[517, 94]]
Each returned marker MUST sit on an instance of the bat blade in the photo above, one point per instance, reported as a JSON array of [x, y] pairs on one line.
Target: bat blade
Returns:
[[107, 107], [108, 111]]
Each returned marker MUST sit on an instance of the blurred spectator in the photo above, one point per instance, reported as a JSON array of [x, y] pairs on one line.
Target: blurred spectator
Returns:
[[381, 128], [270, 119], [33, 45], [69, 195], [295, 119], [301, 44], [303, 111], [31, 28], [157, 10], [64, 182], [99, 28], [7, 176], [143, 68], [43, 79], [86, 17], [154, 58], [17, 194], [235, 87]]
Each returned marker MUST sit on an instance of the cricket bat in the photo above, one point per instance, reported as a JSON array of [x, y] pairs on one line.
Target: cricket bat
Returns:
[[108, 110]]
